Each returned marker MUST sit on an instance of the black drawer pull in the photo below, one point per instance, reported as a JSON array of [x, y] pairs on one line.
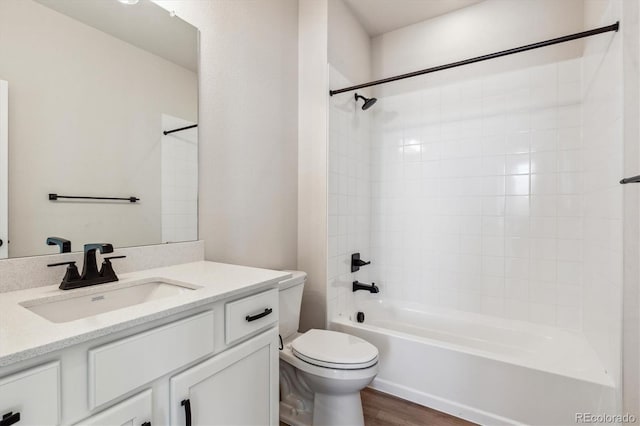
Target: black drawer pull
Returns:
[[187, 411], [258, 316], [146, 424], [10, 418]]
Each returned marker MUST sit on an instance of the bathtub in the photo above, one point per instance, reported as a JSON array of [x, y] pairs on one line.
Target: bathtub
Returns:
[[484, 369]]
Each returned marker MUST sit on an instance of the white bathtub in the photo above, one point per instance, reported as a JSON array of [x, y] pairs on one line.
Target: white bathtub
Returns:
[[484, 369]]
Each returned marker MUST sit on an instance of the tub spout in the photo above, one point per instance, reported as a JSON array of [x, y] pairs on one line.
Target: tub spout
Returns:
[[372, 288]]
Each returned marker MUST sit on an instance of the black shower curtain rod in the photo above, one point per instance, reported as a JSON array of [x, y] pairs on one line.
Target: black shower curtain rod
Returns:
[[613, 27], [168, 132]]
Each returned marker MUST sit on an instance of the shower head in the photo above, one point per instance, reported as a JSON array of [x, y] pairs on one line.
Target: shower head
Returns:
[[368, 102]]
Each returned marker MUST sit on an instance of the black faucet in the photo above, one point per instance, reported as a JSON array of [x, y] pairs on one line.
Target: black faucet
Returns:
[[90, 269], [90, 273], [369, 287], [64, 245]]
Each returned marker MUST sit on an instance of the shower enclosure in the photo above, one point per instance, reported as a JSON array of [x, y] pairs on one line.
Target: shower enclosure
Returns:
[[488, 201]]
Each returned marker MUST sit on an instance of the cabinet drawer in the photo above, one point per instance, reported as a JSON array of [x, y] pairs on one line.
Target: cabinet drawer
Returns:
[[34, 395], [251, 314], [122, 366], [133, 411]]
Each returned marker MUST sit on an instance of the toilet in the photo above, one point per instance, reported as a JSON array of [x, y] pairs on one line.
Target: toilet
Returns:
[[321, 372]]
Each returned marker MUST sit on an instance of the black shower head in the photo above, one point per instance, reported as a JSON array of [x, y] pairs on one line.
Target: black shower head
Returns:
[[368, 102]]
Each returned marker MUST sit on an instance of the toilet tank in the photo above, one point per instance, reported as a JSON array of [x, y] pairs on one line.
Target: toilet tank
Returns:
[[290, 301]]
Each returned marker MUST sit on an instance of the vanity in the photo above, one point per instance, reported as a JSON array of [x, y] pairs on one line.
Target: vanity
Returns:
[[199, 346], [99, 144]]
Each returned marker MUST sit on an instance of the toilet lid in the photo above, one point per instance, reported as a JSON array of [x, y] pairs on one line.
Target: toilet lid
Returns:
[[333, 349]]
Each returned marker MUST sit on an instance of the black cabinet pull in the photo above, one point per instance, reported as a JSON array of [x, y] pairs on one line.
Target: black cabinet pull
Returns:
[[146, 424], [10, 418], [258, 316], [187, 411]]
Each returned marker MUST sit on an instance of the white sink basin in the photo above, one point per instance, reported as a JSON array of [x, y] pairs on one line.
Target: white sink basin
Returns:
[[95, 300]]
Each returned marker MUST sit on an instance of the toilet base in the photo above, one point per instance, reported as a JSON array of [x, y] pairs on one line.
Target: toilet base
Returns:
[[328, 410], [337, 410], [296, 399], [294, 417]]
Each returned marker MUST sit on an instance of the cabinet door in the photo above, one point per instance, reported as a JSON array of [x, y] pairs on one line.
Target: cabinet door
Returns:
[[237, 387], [135, 411], [31, 397]]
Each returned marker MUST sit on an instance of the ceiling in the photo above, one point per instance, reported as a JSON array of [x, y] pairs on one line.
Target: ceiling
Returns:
[[381, 16], [145, 25]]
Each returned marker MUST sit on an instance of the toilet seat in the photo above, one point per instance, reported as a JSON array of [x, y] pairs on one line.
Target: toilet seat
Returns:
[[335, 350]]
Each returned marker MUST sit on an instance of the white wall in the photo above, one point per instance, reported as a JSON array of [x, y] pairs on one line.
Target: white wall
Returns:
[[247, 129], [349, 43], [486, 27], [75, 109], [313, 86]]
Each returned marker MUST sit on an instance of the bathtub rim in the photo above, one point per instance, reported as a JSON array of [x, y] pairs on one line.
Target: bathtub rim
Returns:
[[607, 380]]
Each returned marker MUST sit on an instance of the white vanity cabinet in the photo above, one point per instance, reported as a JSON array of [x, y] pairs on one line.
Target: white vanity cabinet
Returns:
[[237, 387], [139, 375]]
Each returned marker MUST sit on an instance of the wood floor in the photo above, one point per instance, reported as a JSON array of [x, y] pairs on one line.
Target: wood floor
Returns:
[[381, 409]]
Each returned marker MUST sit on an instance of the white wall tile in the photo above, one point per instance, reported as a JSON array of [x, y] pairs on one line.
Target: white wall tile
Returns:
[[179, 182], [350, 185], [477, 194]]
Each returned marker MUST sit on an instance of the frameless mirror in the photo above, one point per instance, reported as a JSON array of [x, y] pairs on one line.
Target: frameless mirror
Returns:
[[91, 92]]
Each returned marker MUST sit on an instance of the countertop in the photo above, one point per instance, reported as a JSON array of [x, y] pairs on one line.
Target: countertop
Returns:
[[24, 334]]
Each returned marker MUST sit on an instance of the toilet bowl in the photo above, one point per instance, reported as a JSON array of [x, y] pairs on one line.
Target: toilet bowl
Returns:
[[321, 372]]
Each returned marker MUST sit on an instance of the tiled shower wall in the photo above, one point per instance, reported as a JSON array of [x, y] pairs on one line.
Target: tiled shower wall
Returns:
[[603, 201], [349, 195], [476, 199], [179, 181]]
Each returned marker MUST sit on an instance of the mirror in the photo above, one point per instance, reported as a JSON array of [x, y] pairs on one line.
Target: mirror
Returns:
[[92, 86]]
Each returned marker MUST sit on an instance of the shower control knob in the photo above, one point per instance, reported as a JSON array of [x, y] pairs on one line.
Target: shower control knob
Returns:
[[356, 262]]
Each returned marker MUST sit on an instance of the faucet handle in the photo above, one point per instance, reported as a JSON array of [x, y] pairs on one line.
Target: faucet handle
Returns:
[[114, 257], [107, 268], [70, 276], [73, 262], [101, 247], [356, 262]]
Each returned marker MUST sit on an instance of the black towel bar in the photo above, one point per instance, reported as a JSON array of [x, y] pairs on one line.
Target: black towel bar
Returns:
[[55, 197], [633, 179]]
